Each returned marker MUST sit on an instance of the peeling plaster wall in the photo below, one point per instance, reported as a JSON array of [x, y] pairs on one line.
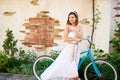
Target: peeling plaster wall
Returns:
[[59, 10]]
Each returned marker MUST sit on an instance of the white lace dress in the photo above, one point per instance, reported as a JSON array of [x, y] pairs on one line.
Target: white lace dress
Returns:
[[65, 65]]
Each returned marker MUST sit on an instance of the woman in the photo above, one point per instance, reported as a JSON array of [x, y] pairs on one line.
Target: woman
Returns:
[[66, 63]]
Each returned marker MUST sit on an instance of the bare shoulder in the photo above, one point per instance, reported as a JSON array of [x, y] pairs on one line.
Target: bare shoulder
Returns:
[[66, 29], [67, 26]]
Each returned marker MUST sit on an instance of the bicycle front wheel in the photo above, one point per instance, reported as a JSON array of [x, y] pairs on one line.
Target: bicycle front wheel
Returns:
[[107, 70], [41, 64]]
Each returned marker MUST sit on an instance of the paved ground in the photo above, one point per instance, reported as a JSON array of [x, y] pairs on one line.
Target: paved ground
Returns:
[[24, 78], [5, 76]]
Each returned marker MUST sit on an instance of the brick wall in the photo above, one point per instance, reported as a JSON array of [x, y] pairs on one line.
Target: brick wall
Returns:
[[40, 31]]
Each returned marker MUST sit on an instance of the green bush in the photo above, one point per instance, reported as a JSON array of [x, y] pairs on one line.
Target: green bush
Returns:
[[114, 57], [23, 64], [3, 61], [54, 54], [27, 57], [116, 40], [14, 60], [42, 65]]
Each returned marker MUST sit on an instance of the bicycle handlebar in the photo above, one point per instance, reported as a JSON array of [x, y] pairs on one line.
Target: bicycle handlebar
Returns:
[[88, 39]]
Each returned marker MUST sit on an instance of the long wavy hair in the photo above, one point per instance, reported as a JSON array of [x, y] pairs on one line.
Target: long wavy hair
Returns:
[[76, 16]]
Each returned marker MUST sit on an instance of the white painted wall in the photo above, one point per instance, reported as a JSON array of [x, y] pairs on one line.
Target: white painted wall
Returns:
[[102, 33], [24, 10]]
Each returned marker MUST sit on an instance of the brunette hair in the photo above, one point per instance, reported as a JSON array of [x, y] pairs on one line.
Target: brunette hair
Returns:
[[76, 15]]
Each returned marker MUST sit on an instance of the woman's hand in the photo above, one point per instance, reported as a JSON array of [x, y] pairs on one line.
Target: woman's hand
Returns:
[[78, 40], [72, 42], [78, 32]]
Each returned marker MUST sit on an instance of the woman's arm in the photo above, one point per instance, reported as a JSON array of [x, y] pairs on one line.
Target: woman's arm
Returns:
[[66, 38], [79, 32]]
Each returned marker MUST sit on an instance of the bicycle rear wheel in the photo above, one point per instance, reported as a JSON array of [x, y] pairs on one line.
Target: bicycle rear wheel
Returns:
[[107, 70], [41, 64]]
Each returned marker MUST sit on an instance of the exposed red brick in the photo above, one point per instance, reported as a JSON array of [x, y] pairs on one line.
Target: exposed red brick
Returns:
[[42, 30]]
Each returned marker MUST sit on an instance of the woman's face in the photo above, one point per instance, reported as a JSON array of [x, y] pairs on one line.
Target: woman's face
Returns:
[[72, 18]]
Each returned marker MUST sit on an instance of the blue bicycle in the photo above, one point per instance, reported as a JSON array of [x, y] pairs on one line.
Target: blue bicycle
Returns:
[[96, 69]]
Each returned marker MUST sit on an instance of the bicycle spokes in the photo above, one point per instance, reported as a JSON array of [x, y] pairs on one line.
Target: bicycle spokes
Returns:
[[106, 69]]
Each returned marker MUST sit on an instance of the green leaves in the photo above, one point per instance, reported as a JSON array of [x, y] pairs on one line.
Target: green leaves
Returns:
[[116, 41], [97, 17], [3, 61], [9, 44], [115, 44], [54, 54], [117, 31]]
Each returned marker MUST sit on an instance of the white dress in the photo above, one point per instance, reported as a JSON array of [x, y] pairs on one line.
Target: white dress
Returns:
[[65, 65]]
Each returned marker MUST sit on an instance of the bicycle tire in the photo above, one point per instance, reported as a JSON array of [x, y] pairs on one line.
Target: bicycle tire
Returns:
[[40, 64], [107, 70]]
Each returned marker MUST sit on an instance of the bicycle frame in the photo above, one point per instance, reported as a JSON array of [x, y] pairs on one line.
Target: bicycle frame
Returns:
[[89, 54]]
